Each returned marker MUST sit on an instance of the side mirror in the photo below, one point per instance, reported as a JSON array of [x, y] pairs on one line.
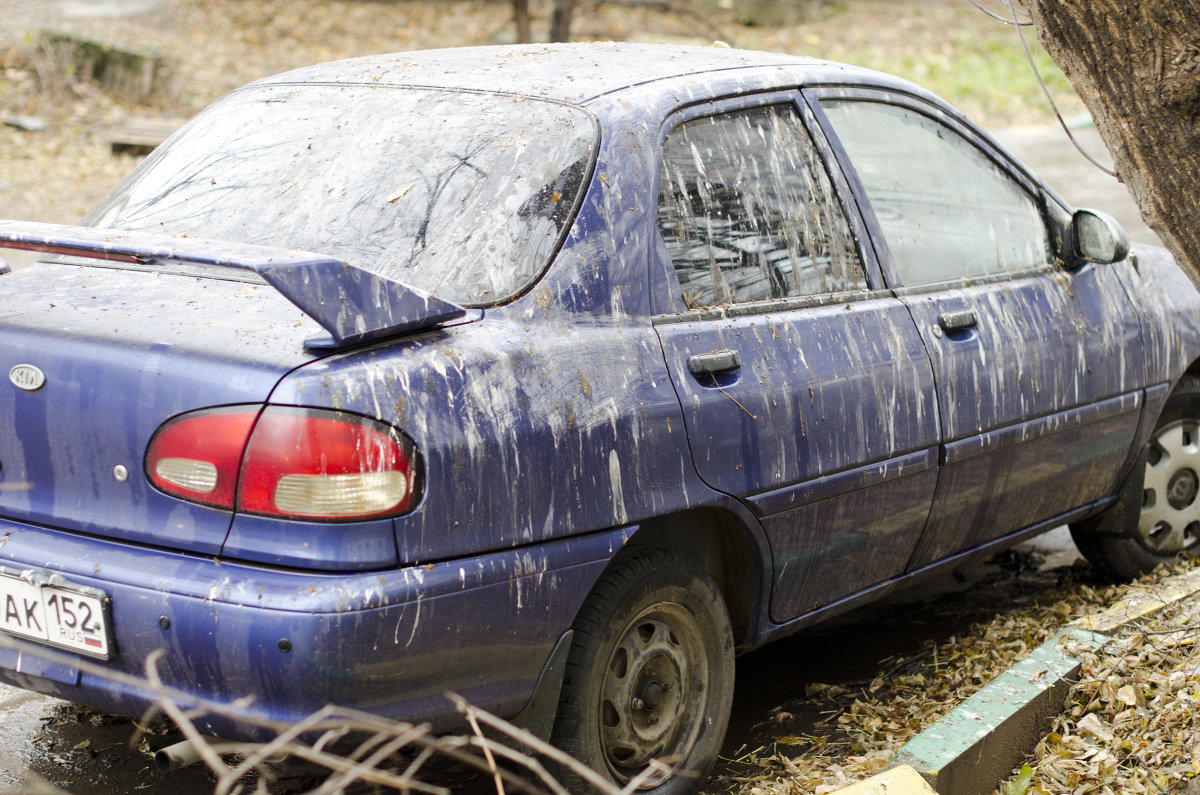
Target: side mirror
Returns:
[[1098, 237], [4, 266]]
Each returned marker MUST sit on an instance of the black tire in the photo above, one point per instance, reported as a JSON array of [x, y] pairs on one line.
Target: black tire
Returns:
[[1158, 516], [649, 674]]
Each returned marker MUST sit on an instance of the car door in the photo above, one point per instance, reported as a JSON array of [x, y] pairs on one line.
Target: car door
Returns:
[[1038, 368], [806, 390]]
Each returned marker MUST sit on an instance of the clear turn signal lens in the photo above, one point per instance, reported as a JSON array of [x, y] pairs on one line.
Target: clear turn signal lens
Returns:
[[341, 495]]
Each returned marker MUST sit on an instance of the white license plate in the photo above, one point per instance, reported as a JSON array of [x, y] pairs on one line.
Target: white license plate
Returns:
[[64, 615]]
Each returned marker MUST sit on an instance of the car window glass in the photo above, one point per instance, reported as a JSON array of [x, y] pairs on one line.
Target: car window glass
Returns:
[[465, 195], [945, 209], [747, 211]]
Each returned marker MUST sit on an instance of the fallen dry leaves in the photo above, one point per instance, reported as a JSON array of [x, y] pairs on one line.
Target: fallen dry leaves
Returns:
[[1130, 725]]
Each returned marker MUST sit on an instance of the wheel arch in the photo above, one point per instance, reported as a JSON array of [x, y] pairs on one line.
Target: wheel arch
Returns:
[[733, 553], [1193, 370]]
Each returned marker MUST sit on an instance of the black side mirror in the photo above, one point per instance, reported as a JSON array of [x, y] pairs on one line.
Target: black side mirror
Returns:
[[1098, 237]]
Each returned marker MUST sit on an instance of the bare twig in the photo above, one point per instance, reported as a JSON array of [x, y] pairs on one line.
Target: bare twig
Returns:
[[326, 728]]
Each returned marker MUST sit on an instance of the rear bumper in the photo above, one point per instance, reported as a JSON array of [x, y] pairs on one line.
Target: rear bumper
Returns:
[[390, 642]]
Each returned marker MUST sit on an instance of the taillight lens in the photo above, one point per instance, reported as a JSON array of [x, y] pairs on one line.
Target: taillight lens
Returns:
[[288, 462], [325, 465], [198, 456]]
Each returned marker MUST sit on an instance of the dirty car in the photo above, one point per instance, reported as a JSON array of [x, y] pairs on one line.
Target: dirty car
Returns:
[[555, 377]]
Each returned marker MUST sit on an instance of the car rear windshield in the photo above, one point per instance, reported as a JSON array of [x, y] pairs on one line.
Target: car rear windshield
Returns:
[[466, 195]]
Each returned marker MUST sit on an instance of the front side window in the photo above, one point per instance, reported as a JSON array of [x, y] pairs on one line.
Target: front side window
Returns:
[[946, 210], [747, 211]]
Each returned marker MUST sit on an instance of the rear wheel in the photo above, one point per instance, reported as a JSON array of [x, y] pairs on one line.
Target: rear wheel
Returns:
[[1167, 503], [650, 674]]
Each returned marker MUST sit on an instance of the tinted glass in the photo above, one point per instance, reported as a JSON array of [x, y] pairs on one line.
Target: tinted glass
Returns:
[[465, 195], [946, 210], [747, 211]]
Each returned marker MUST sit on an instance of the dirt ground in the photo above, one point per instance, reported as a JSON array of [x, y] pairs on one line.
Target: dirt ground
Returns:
[[56, 174]]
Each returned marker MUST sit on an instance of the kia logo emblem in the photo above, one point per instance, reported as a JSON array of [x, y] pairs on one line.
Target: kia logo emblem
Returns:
[[27, 377]]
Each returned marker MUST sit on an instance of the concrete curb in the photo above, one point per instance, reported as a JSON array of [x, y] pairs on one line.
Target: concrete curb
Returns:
[[902, 780], [984, 739]]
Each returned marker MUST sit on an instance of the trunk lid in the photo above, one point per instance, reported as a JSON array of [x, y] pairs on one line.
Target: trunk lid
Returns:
[[97, 359]]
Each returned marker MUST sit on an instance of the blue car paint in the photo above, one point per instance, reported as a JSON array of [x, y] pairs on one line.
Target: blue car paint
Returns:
[[125, 351], [351, 637], [554, 429]]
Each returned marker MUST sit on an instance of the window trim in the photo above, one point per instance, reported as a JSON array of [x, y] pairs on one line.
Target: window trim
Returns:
[[973, 281], [666, 307], [958, 124], [770, 306]]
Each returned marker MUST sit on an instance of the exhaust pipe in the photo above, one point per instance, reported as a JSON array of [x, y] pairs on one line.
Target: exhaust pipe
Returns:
[[185, 753]]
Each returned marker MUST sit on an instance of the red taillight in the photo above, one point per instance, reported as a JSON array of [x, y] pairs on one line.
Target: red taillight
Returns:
[[325, 465], [198, 456], [293, 463]]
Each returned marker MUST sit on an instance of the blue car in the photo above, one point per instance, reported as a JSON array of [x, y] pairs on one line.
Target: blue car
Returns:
[[556, 377]]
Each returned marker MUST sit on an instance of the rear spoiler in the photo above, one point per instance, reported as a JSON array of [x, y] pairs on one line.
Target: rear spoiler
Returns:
[[354, 305]]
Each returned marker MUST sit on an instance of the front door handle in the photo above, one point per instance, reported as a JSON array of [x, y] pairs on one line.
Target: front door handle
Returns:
[[958, 320], [715, 362]]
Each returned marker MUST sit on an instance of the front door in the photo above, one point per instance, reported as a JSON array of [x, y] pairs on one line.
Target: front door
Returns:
[[1038, 368]]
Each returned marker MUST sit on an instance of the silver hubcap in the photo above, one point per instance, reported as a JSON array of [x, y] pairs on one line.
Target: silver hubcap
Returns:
[[1170, 520], [652, 693]]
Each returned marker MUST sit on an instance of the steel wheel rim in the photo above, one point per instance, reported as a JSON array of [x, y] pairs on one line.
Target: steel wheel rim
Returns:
[[1170, 518], [652, 694]]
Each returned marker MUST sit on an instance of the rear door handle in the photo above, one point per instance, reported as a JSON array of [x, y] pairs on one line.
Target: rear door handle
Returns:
[[715, 362], [954, 321]]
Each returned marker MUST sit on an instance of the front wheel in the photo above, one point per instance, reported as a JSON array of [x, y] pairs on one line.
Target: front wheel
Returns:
[[650, 674], [1161, 503]]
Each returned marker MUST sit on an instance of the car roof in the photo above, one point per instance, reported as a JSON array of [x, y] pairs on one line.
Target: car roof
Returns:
[[581, 72]]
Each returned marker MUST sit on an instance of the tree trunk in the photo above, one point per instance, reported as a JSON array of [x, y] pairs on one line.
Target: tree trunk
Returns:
[[521, 19], [1136, 65], [560, 21]]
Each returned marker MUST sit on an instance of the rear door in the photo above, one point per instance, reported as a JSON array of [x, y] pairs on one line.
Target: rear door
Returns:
[[806, 390], [1038, 368]]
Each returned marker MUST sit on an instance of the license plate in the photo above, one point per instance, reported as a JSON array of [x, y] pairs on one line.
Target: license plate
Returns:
[[41, 607]]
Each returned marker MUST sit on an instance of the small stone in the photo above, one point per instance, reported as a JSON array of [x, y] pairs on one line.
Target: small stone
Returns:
[[27, 123]]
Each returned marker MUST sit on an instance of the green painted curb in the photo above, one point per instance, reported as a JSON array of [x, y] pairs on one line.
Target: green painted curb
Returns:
[[983, 740], [980, 742]]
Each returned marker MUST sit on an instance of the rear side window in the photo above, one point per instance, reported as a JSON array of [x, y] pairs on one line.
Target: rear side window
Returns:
[[946, 210], [747, 211]]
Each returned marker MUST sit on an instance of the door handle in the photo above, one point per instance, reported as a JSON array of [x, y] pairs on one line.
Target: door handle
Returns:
[[715, 362], [955, 321]]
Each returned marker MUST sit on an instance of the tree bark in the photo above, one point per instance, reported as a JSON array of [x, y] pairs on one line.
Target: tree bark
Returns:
[[560, 20], [1136, 65], [521, 20]]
